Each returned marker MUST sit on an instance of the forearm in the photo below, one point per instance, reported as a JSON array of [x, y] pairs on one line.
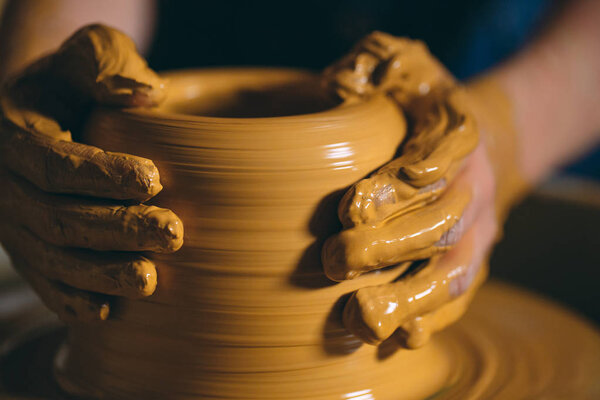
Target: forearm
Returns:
[[554, 88], [31, 28]]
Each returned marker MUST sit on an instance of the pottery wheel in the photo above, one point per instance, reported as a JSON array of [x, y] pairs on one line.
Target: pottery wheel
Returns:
[[511, 344]]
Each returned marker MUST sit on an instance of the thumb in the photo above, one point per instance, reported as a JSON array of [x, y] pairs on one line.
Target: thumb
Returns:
[[103, 63]]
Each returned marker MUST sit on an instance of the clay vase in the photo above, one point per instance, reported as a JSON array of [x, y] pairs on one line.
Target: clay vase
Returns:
[[254, 161]]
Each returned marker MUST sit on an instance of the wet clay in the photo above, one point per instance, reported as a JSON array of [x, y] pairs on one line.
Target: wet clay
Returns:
[[492, 353], [244, 304], [150, 228], [408, 209], [239, 156], [416, 306], [235, 176], [255, 162], [374, 314]]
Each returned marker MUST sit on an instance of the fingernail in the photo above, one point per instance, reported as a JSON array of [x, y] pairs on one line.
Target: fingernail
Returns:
[[463, 281], [169, 229], [452, 235]]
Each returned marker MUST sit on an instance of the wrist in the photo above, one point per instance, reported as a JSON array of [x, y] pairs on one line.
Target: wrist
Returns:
[[554, 89], [494, 114]]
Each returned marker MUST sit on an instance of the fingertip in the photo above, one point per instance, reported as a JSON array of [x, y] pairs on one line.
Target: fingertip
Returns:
[[153, 187], [360, 203], [426, 172], [147, 177], [416, 333], [136, 178], [366, 314], [348, 255], [168, 229], [104, 311], [333, 257], [82, 306], [148, 96], [70, 167], [417, 171], [140, 99], [174, 232], [355, 324], [139, 278]]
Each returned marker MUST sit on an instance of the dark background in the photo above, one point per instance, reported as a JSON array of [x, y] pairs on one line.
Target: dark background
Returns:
[[466, 35]]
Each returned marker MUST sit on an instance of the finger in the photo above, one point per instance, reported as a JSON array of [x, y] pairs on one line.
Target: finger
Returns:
[[348, 77], [430, 162], [374, 313], [76, 222], [69, 304], [416, 332], [371, 200], [445, 133], [104, 63], [65, 167], [382, 63], [409, 237], [39, 107], [127, 275], [97, 64], [475, 174]]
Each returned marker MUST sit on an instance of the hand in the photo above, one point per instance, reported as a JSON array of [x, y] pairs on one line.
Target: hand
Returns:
[[435, 202], [62, 243]]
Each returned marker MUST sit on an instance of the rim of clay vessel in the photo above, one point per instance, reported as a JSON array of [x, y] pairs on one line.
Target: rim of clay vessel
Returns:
[[216, 95]]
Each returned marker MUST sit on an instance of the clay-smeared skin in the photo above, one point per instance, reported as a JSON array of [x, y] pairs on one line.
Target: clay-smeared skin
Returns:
[[38, 109], [394, 241], [96, 64], [115, 274], [419, 307], [382, 62], [226, 321], [65, 221], [402, 212]]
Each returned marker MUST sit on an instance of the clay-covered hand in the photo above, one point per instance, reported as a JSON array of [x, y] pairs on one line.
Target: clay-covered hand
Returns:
[[72, 218], [434, 202]]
